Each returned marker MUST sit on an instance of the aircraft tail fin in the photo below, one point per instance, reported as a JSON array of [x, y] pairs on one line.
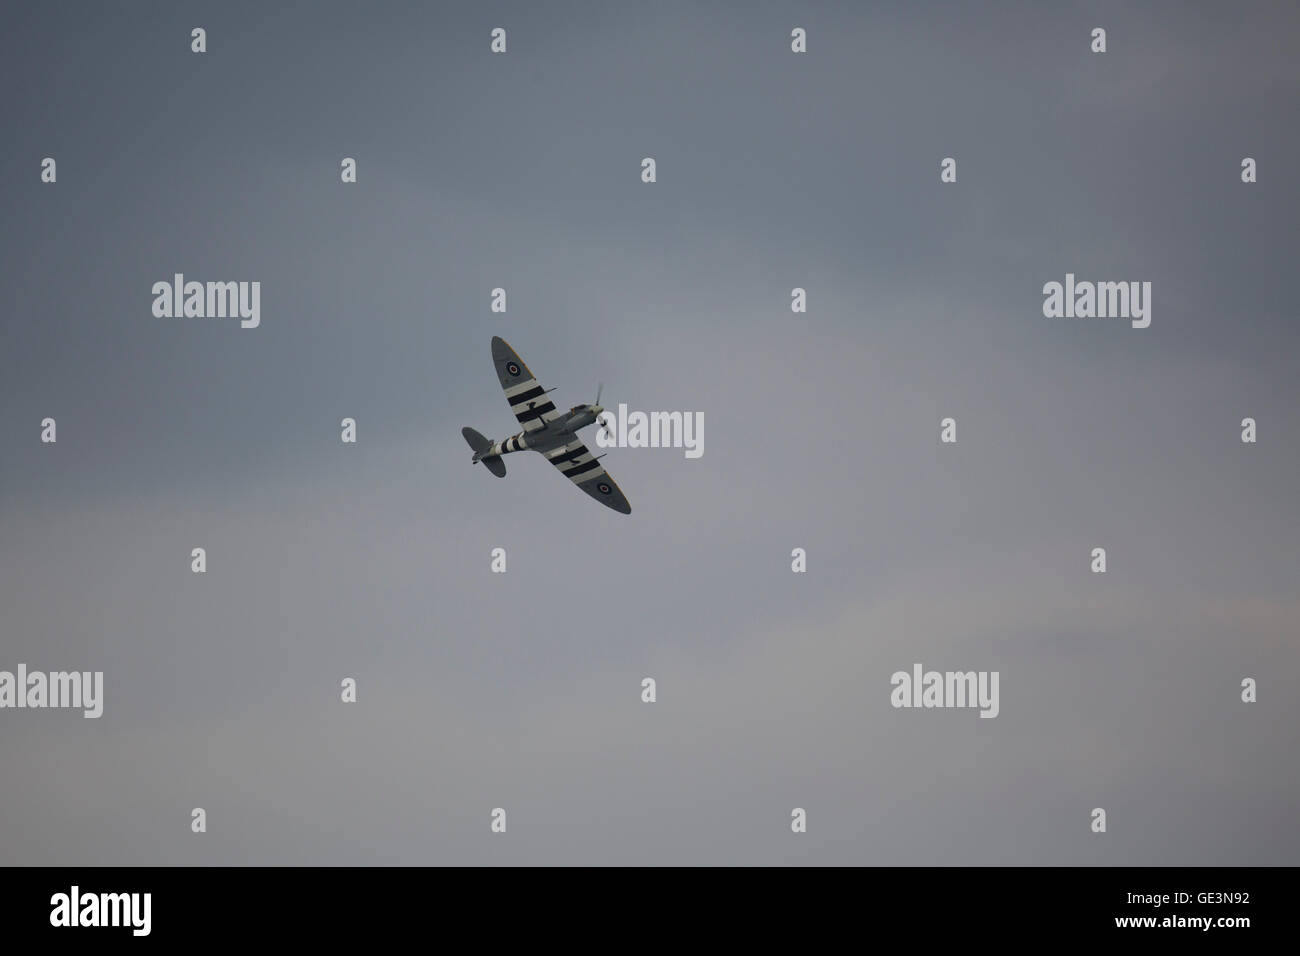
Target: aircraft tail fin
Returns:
[[480, 444]]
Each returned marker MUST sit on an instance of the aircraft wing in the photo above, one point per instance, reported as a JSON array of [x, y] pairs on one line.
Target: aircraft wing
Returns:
[[576, 463], [525, 394]]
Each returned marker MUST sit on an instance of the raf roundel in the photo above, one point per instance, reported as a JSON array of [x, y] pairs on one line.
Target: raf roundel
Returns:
[[603, 488], [512, 368]]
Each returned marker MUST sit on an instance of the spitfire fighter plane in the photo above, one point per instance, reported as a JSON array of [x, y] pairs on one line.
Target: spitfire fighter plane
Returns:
[[546, 430]]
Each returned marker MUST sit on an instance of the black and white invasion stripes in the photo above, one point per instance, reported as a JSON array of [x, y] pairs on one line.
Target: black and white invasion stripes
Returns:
[[513, 443], [575, 462], [531, 406]]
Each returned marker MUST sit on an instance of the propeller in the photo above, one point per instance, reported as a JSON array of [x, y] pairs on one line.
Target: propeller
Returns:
[[600, 387]]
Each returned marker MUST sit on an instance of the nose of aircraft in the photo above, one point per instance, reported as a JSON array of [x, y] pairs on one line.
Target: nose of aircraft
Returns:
[[597, 409]]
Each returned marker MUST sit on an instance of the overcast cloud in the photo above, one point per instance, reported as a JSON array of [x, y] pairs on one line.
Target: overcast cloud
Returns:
[[522, 691]]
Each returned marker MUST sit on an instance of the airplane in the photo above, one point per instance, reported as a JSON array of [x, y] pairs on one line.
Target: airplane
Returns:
[[546, 430]]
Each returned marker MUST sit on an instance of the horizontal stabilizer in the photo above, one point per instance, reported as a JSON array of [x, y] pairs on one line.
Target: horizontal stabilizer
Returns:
[[476, 441], [495, 465]]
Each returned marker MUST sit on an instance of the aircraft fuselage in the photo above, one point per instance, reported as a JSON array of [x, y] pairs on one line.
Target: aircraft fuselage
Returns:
[[556, 433]]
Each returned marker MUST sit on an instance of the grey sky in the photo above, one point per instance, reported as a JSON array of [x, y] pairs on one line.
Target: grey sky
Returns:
[[521, 690]]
